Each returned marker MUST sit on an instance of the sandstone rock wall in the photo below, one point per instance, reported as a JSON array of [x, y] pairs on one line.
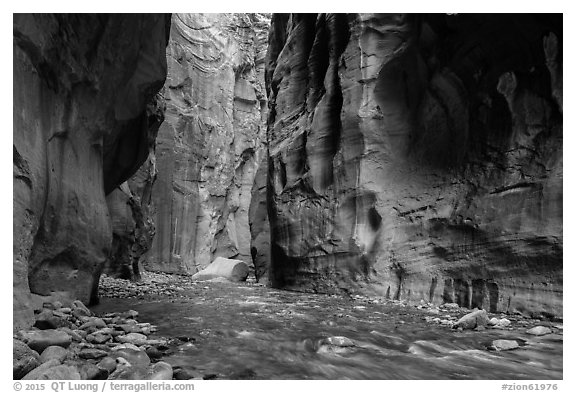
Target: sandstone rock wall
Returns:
[[212, 141], [130, 206], [418, 156], [84, 119]]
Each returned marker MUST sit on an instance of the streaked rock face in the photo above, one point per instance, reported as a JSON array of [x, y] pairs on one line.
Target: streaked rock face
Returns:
[[84, 118], [418, 156], [212, 141]]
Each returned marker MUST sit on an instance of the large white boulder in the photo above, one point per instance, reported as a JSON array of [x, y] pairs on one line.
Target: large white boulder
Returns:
[[231, 269]]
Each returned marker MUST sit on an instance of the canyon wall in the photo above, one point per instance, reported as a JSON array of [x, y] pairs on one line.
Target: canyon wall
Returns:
[[212, 142], [85, 118], [131, 206], [418, 157]]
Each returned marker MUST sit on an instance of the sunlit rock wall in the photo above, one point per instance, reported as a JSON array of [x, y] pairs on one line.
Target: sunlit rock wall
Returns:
[[212, 141], [418, 156]]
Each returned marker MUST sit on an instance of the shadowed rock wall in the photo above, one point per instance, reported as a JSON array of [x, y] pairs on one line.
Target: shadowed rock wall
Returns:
[[212, 142], [418, 156], [84, 119]]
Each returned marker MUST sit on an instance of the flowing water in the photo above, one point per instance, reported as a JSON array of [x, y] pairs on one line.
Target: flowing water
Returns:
[[244, 331]]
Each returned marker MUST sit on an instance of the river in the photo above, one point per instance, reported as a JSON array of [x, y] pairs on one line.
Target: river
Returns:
[[244, 331]]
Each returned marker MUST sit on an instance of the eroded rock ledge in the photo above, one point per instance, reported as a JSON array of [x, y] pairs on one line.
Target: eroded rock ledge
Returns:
[[419, 156], [85, 116]]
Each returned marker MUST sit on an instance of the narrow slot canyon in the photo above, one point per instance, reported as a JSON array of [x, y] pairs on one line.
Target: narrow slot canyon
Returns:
[[287, 196]]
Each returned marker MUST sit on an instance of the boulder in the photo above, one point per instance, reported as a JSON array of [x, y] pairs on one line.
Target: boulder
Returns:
[[48, 319], [54, 352], [108, 364], [53, 370], [136, 358], [62, 372], [126, 346], [338, 341], [160, 371], [505, 345], [41, 369], [539, 330], [472, 320], [92, 353], [89, 371], [93, 323], [133, 338], [503, 323], [335, 345], [79, 309], [231, 269], [153, 353], [24, 359], [126, 371], [39, 340], [98, 338], [181, 374]]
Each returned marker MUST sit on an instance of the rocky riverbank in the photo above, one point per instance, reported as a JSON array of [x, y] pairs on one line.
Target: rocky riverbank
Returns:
[[153, 284], [150, 284], [68, 343]]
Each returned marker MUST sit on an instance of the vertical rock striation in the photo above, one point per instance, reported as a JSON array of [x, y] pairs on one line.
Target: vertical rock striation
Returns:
[[84, 118], [419, 156], [212, 142]]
